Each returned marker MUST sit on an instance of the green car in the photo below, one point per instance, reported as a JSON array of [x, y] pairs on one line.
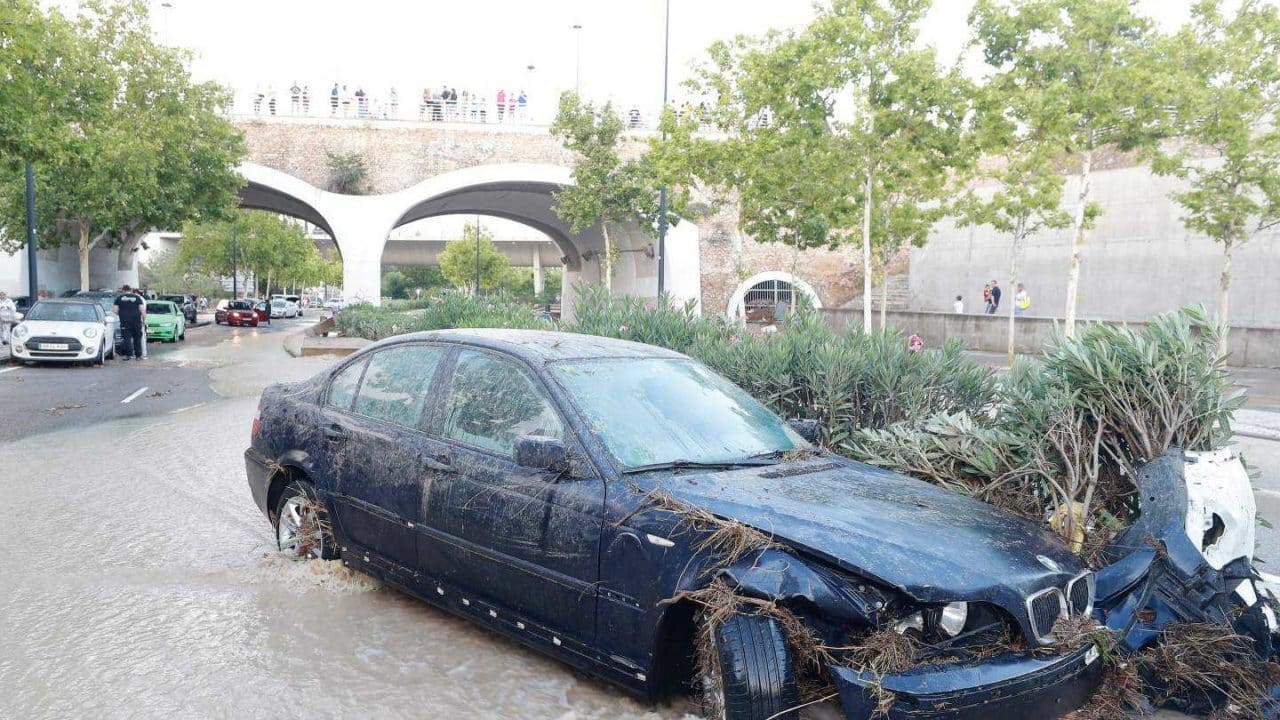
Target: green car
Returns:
[[165, 321]]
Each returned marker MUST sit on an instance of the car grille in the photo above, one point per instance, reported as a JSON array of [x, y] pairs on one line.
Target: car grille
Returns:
[[1080, 594], [1045, 608], [38, 343]]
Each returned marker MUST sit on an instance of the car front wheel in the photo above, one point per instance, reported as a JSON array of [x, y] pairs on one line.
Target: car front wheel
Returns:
[[303, 531], [747, 672]]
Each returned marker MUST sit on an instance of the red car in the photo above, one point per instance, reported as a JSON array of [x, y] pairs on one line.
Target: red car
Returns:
[[239, 312]]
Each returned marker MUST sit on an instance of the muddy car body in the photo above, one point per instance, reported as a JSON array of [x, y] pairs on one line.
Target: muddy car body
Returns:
[[511, 477]]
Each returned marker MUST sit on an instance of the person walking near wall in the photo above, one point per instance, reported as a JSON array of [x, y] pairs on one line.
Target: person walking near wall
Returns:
[[994, 307], [1021, 300], [958, 305], [8, 316], [132, 311], [986, 298]]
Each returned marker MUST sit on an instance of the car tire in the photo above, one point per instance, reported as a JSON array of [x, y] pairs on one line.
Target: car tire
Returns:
[[102, 353], [302, 524], [747, 672], [183, 336]]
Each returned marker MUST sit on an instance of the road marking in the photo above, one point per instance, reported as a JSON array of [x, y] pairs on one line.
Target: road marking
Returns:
[[189, 407], [134, 396], [15, 367]]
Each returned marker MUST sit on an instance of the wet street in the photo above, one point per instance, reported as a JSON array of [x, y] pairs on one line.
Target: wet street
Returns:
[[141, 581]]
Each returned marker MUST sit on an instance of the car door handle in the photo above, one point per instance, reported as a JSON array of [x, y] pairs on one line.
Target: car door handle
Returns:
[[335, 432], [439, 461]]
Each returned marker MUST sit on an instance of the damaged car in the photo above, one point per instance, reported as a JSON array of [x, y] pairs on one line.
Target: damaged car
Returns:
[[623, 508]]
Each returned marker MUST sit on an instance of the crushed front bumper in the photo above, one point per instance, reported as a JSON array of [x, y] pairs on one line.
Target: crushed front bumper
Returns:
[[1012, 686]]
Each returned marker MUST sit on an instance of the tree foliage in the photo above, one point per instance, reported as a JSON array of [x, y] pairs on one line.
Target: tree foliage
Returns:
[[1226, 85], [274, 249], [146, 146], [458, 260], [348, 173]]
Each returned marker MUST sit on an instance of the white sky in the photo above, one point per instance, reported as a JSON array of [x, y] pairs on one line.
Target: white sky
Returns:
[[487, 44]]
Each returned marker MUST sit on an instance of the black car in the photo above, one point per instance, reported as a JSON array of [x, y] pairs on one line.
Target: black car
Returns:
[[106, 299], [187, 303], [566, 490]]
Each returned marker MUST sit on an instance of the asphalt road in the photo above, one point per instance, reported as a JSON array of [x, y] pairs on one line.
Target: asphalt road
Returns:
[[44, 397]]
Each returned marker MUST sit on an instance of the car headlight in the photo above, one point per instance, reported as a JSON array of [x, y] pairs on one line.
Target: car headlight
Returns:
[[91, 332], [20, 331], [949, 620]]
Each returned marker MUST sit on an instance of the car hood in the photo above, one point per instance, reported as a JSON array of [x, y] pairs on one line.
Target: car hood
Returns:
[[162, 319], [46, 328], [933, 545]]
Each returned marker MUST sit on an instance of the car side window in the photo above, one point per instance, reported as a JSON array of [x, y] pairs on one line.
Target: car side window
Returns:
[[342, 389], [396, 383], [492, 402]]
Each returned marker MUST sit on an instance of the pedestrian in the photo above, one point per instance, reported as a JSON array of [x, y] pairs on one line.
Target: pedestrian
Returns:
[[394, 100], [145, 294], [333, 100], [995, 297], [362, 107], [522, 102], [8, 316], [346, 102], [422, 106], [986, 298], [1021, 300], [915, 343], [453, 104], [306, 100], [958, 305], [258, 97], [132, 311], [502, 104], [295, 98], [511, 107], [271, 99]]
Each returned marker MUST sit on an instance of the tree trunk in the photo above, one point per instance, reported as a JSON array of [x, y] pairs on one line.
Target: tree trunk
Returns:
[[606, 262], [1224, 293], [866, 252], [1013, 286], [267, 291], [1073, 272], [83, 247]]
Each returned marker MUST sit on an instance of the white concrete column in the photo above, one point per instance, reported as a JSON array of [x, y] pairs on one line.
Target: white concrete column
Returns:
[[539, 282], [683, 266], [360, 240]]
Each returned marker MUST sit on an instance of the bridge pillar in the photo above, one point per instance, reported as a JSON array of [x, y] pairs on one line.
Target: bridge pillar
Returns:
[[360, 232], [539, 282]]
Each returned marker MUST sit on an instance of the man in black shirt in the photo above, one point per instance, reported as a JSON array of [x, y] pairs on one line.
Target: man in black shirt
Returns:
[[994, 307], [132, 310]]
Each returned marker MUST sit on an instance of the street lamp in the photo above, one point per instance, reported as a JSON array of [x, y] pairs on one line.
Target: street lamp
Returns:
[[662, 192], [167, 7], [577, 78], [477, 256]]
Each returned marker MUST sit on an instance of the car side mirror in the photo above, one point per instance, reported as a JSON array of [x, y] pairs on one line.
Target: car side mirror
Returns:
[[541, 453], [807, 429]]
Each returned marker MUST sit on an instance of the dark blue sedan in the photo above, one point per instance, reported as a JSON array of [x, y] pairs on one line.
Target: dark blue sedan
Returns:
[[567, 490]]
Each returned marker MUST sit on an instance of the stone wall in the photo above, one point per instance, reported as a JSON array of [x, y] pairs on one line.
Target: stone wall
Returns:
[[1248, 346]]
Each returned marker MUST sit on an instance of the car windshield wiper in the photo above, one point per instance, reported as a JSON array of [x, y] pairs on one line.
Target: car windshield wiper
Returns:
[[709, 465], [778, 454]]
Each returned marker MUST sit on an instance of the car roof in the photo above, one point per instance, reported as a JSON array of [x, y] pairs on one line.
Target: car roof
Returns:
[[540, 346]]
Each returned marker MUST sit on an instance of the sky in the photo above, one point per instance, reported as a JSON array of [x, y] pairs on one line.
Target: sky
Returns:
[[485, 45]]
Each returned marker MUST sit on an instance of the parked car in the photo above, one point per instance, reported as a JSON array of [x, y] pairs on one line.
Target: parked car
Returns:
[[263, 309], [555, 488], [238, 313], [282, 308], [187, 303], [165, 321], [71, 330], [106, 300], [335, 304]]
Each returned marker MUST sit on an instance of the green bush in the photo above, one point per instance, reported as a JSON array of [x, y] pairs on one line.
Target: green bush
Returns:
[[437, 312]]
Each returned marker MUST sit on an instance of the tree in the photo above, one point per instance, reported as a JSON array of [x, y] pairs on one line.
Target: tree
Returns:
[[458, 261], [1028, 194], [165, 271], [348, 173], [273, 248], [147, 149], [606, 189], [1078, 73], [828, 122], [1227, 97]]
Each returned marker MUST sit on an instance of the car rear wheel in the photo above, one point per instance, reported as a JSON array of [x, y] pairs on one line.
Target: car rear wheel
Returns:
[[747, 673], [302, 524], [102, 353]]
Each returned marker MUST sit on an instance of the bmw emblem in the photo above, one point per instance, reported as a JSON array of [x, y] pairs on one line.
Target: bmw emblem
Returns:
[[1049, 563]]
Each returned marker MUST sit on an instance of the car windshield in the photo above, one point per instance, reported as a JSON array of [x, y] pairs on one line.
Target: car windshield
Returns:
[[657, 410], [156, 308], [64, 312], [103, 299], [240, 305], [278, 303]]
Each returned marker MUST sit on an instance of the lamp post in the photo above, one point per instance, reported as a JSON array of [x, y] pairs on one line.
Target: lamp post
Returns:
[[577, 76], [33, 281], [167, 7], [662, 192], [235, 280], [477, 256]]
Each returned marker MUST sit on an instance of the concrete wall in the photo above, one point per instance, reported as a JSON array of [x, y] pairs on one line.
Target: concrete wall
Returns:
[[59, 270], [1138, 262], [1248, 346]]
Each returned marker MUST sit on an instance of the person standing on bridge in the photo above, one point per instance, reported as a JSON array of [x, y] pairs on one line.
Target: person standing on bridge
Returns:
[[393, 99], [333, 100], [132, 311], [306, 100], [502, 104], [295, 98]]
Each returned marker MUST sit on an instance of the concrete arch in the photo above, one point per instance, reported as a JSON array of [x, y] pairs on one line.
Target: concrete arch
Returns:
[[735, 310], [522, 192]]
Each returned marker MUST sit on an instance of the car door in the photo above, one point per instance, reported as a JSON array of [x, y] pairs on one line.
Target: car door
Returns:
[[525, 539], [374, 448]]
